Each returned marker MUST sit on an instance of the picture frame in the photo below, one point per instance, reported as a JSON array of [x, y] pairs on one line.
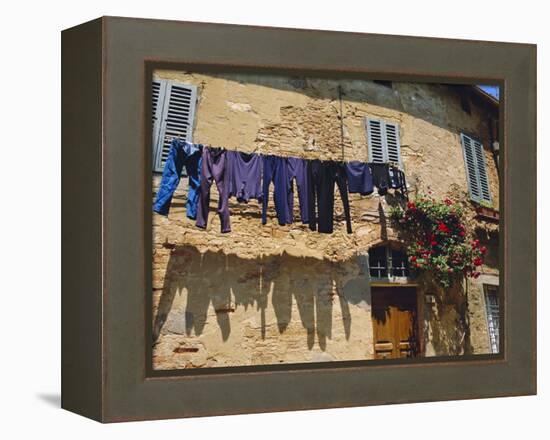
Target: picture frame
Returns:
[[107, 221]]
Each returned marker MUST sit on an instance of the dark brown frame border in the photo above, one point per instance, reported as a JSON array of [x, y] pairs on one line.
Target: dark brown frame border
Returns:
[[106, 183]]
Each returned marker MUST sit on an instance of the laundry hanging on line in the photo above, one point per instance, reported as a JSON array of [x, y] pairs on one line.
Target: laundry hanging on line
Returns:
[[214, 169], [359, 178], [248, 176], [322, 176], [245, 176], [284, 172], [181, 154]]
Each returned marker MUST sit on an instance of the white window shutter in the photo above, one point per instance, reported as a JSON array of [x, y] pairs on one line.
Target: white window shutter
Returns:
[[377, 151], [482, 172], [158, 92], [476, 170], [393, 146], [384, 143], [471, 169], [176, 119]]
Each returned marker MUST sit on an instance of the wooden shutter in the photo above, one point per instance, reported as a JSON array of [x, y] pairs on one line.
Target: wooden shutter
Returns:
[[176, 119], [482, 171], [158, 92], [384, 144], [376, 141], [476, 169], [393, 147]]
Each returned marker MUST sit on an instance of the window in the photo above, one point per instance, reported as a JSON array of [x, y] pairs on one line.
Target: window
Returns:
[[476, 170], [173, 115], [384, 144], [378, 262], [399, 263], [493, 321], [387, 262], [383, 83]]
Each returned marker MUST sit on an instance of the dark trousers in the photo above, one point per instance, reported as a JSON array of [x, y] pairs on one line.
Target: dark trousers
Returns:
[[322, 175]]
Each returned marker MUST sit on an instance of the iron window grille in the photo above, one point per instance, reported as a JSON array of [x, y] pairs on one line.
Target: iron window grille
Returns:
[[493, 321], [389, 263]]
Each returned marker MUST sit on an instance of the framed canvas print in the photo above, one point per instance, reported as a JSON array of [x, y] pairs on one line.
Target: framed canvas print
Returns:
[[262, 219]]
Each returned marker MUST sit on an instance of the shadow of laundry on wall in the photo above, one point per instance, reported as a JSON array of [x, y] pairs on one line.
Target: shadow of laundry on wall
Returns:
[[227, 282]]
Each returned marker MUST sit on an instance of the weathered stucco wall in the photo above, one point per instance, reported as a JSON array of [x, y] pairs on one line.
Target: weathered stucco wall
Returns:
[[223, 310], [272, 294]]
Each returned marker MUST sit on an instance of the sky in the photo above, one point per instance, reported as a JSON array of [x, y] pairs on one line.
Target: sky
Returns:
[[491, 90]]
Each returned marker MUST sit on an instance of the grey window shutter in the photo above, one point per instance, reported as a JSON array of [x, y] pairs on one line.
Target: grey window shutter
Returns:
[[476, 170], [175, 119], [471, 172], [158, 95], [482, 171], [384, 143], [158, 92], [376, 141], [393, 146]]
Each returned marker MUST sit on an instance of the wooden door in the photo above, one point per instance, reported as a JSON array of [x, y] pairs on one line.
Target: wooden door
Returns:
[[395, 322]]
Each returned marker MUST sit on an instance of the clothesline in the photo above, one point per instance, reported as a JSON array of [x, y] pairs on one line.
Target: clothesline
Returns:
[[282, 154], [248, 176]]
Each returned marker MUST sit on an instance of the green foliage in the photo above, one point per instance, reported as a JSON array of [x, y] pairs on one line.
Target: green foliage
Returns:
[[485, 204], [437, 240]]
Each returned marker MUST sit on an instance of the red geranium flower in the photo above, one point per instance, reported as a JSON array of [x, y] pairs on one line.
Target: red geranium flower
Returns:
[[443, 228], [448, 202], [478, 261]]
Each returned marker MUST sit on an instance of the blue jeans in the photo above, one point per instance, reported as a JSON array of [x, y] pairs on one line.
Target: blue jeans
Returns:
[[181, 154], [276, 171]]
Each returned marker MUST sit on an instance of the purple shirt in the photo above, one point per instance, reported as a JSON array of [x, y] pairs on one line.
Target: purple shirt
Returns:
[[245, 173]]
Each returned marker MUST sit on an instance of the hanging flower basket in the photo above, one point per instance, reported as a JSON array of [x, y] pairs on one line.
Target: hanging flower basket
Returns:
[[437, 240]]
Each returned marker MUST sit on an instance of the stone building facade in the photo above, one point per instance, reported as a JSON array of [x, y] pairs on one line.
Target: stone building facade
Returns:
[[271, 294]]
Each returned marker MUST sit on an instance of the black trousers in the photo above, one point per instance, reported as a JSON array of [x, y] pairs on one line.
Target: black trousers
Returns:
[[322, 175]]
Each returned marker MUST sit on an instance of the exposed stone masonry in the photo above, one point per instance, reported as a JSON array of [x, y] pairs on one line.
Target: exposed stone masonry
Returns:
[[284, 294]]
